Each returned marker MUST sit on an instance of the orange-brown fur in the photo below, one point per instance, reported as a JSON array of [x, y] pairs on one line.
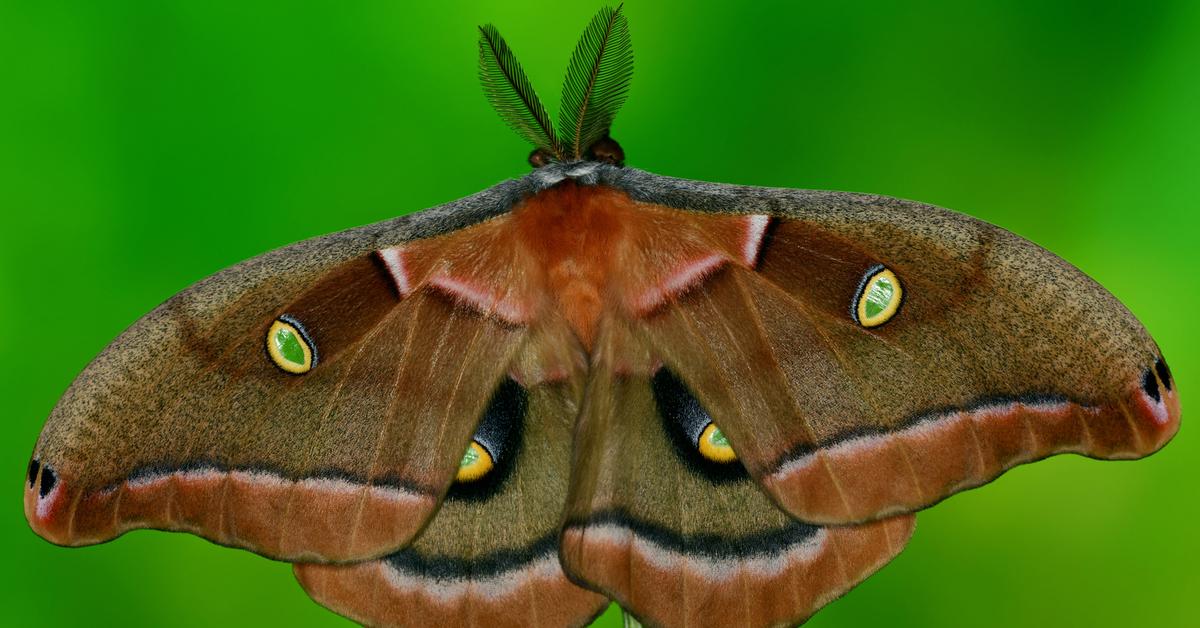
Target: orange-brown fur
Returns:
[[579, 251]]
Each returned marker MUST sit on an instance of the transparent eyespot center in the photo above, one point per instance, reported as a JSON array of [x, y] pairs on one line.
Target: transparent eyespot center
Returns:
[[879, 298], [476, 463], [715, 446], [289, 348]]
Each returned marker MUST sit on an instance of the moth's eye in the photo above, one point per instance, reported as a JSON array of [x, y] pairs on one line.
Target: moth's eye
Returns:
[[714, 446], [878, 297], [290, 346], [475, 463]]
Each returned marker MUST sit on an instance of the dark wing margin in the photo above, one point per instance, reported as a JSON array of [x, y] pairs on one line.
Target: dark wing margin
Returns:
[[184, 423]]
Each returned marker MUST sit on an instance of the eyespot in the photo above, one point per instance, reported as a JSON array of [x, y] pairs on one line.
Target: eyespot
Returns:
[[695, 439], [290, 347], [493, 450], [714, 446], [878, 297], [476, 463]]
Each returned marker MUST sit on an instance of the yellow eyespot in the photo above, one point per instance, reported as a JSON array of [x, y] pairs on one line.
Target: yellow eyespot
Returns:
[[878, 297], [714, 445], [476, 463], [289, 346]]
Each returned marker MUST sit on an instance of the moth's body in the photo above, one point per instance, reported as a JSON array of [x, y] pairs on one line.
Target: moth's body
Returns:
[[577, 253], [712, 404]]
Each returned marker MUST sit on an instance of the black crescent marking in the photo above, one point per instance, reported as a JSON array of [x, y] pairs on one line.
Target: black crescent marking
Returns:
[[500, 432], [684, 419], [766, 543], [456, 568], [1164, 372]]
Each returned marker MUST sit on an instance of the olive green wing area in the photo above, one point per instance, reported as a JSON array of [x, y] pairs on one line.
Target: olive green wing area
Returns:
[[332, 441], [489, 557], [681, 537], [882, 355]]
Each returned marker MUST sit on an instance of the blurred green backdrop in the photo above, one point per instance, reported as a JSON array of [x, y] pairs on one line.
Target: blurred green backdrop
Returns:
[[146, 144]]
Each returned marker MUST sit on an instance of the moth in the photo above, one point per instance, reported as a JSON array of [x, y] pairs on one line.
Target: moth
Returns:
[[711, 404]]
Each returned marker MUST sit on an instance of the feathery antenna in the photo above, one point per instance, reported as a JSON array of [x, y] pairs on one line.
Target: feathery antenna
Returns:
[[597, 81], [508, 89], [596, 86]]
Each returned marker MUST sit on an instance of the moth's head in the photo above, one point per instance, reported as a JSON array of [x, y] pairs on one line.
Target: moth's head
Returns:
[[606, 150], [596, 86]]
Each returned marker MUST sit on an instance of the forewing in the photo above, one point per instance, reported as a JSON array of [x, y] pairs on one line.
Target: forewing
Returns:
[[185, 422], [999, 352]]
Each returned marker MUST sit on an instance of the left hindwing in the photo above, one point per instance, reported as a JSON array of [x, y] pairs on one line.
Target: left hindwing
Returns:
[[881, 354], [489, 557]]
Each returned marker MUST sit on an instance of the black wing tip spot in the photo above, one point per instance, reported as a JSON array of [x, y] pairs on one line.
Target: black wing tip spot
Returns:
[[1150, 385], [49, 479], [34, 465], [1164, 372]]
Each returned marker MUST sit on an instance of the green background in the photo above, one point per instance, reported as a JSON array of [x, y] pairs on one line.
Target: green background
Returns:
[[144, 145]]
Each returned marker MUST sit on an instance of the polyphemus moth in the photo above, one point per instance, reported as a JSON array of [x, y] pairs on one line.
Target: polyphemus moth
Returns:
[[712, 404]]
